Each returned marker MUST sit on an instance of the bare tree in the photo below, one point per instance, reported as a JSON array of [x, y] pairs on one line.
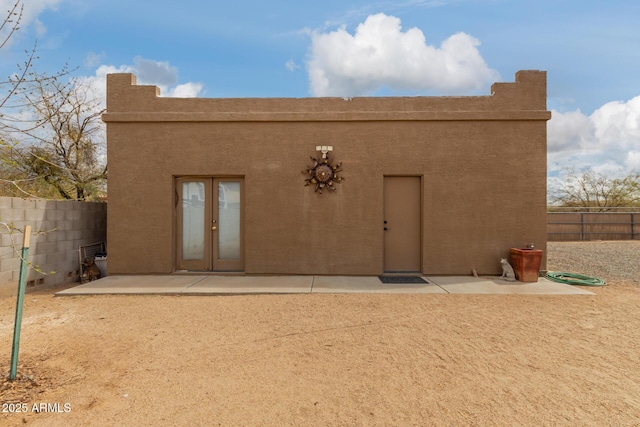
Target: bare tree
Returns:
[[596, 192], [51, 136], [63, 148]]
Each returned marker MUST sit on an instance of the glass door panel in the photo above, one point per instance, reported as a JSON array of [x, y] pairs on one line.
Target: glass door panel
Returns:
[[193, 212], [228, 219]]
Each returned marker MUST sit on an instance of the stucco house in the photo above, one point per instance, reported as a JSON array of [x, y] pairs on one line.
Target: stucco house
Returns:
[[362, 186]]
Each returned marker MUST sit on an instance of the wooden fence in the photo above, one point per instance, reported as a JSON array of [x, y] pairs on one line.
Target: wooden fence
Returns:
[[577, 226]]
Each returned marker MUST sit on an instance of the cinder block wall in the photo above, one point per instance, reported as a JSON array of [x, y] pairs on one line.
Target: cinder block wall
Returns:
[[59, 228]]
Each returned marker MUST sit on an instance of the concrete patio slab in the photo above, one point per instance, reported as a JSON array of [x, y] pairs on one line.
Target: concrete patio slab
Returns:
[[251, 285], [370, 285], [230, 285], [494, 285], [165, 284]]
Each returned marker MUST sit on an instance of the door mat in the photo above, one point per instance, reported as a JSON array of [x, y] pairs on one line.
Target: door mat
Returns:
[[401, 280]]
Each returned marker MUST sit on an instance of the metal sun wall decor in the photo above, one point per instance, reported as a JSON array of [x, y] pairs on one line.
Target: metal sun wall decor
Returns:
[[323, 174]]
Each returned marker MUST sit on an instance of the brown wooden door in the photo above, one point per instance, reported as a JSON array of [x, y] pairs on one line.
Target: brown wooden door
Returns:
[[402, 223], [209, 214]]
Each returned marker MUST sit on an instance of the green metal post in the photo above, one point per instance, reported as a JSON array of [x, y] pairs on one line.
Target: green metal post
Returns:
[[22, 281]]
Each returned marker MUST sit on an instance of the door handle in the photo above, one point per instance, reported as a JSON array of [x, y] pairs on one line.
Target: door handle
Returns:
[[214, 228]]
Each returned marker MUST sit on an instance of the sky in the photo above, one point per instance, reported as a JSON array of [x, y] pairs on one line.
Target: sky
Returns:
[[590, 50]]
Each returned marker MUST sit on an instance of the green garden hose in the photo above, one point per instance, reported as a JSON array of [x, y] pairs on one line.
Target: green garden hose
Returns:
[[574, 279]]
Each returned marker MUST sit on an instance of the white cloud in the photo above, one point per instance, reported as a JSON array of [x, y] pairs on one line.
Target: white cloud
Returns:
[[618, 124], [607, 141], [158, 72], [633, 160], [186, 90], [379, 54], [568, 131], [291, 65]]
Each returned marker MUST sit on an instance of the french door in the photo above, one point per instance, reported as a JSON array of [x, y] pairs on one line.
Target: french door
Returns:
[[209, 224]]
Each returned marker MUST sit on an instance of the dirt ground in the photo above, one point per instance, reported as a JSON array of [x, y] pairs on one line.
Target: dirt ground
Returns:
[[319, 359]]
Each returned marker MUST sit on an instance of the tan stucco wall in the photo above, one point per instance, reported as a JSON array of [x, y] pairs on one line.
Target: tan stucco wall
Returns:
[[482, 159]]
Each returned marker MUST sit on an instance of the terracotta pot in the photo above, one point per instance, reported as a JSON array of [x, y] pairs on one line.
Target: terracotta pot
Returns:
[[526, 263]]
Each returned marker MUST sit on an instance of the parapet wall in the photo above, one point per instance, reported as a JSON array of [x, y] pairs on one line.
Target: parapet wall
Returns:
[[523, 100]]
